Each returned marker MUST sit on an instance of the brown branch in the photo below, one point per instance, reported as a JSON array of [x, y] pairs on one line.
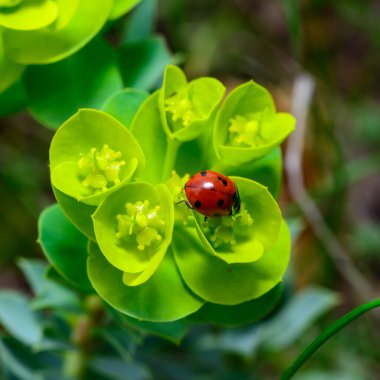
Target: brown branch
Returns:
[[302, 96]]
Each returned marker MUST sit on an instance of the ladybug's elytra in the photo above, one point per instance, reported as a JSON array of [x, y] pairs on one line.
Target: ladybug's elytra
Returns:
[[212, 194]]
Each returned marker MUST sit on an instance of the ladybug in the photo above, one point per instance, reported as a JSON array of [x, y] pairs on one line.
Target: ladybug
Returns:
[[212, 194]]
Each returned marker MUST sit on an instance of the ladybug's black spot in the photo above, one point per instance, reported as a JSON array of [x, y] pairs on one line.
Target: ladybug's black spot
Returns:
[[197, 204], [220, 178], [220, 202], [224, 182], [203, 173]]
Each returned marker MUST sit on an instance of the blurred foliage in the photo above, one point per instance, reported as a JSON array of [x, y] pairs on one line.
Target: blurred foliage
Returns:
[[271, 42]]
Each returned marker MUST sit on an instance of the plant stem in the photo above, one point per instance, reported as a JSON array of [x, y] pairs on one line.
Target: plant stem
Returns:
[[327, 334], [170, 157]]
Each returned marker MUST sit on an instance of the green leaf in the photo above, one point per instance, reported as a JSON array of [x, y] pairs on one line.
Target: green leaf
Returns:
[[120, 7], [18, 319], [142, 63], [141, 22], [253, 106], [236, 315], [29, 15], [77, 212], [229, 284], [48, 294], [13, 99], [10, 71], [34, 271], [76, 138], [49, 45], [124, 104], [139, 265], [252, 241], [117, 369], [16, 359], [188, 109], [172, 331], [86, 79], [147, 129], [163, 298], [64, 246], [55, 296], [297, 315]]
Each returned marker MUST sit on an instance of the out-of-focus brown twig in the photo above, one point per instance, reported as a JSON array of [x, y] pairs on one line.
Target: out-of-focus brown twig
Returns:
[[303, 91]]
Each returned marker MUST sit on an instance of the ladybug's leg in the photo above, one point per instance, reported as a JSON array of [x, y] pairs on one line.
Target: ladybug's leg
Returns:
[[186, 203], [205, 219]]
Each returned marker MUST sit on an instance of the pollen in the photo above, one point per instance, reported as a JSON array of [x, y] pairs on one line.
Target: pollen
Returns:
[[100, 169], [181, 108], [246, 131], [227, 229], [140, 223]]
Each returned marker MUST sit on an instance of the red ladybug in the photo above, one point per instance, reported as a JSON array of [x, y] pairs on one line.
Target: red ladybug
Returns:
[[212, 194]]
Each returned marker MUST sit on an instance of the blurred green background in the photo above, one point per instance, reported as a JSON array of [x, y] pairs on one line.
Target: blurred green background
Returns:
[[272, 42]]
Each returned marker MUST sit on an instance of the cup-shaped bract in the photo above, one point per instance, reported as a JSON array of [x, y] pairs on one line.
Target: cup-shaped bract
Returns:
[[45, 31], [222, 283], [188, 108], [91, 155], [26, 14], [57, 34], [248, 126], [133, 228], [246, 236]]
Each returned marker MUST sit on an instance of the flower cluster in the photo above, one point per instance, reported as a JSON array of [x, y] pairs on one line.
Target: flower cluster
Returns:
[[46, 31], [150, 256]]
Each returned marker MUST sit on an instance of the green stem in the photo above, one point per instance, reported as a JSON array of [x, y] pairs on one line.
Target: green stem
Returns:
[[327, 334], [170, 158]]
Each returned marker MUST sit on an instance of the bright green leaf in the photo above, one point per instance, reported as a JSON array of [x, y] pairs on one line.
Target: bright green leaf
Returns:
[[64, 246], [229, 284], [236, 315], [124, 104], [84, 80], [77, 212], [163, 298], [9, 70], [172, 331], [147, 129]]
